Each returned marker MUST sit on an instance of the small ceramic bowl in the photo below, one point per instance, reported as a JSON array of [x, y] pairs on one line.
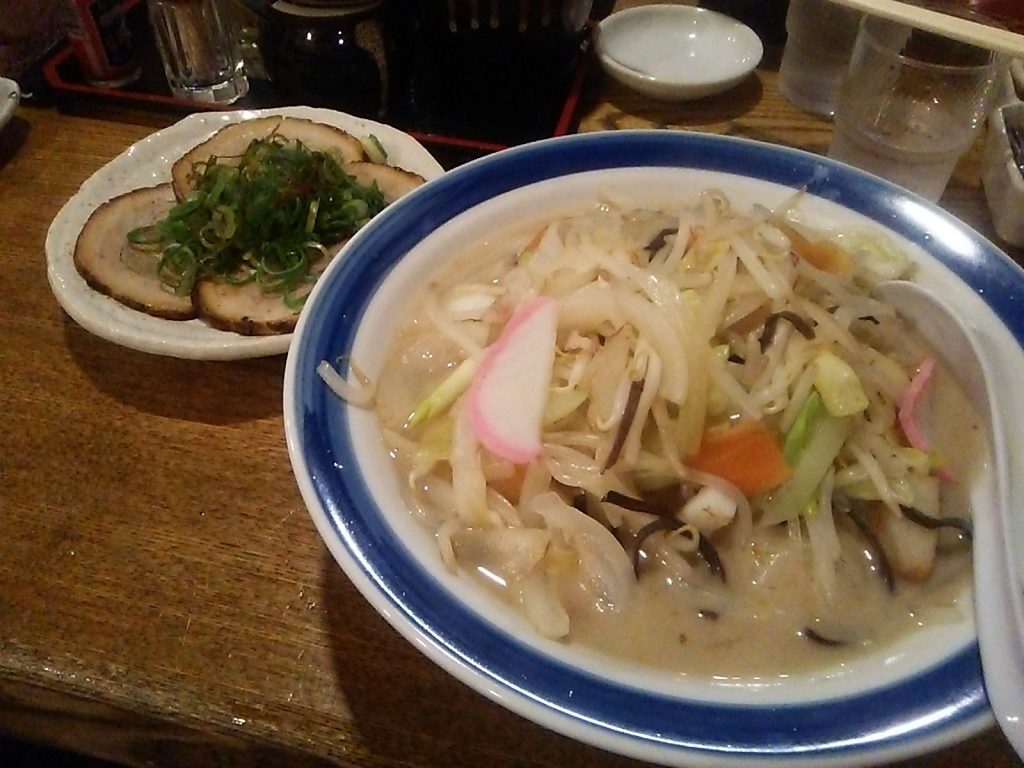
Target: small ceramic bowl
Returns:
[[676, 52], [10, 95], [1001, 176]]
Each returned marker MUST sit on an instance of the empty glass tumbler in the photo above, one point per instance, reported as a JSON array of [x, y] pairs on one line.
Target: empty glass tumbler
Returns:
[[199, 48], [820, 40]]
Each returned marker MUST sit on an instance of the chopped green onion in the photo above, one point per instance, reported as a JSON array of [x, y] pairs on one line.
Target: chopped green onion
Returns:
[[223, 221], [314, 206], [146, 238], [177, 268], [265, 216], [446, 393], [374, 149]]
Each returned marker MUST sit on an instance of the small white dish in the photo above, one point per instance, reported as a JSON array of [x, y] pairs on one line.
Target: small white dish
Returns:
[[677, 52], [10, 95], [146, 164], [1002, 179]]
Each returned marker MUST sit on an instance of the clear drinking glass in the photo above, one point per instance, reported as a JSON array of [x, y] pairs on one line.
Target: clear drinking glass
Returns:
[[911, 103], [200, 52], [819, 41]]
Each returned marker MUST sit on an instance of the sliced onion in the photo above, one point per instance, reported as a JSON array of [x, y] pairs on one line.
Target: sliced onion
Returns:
[[359, 395], [543, 608], [605, 570]]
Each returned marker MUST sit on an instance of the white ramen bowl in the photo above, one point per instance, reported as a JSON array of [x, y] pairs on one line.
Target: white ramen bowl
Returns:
[[919, 694]]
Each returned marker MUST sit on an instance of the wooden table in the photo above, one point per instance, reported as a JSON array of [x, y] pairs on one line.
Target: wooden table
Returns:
[[164, 597]]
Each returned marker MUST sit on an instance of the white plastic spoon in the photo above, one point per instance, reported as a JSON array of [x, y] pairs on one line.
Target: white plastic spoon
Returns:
[[998, 594]]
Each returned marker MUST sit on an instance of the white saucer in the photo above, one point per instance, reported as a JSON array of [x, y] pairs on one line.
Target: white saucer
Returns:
[[677, 52], [10, 95]]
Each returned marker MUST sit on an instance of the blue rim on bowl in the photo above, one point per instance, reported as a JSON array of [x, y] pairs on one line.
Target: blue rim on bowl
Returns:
[[935, 706]]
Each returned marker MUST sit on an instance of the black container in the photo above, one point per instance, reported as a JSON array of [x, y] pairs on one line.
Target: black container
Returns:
[[481, 64], [349, 56]]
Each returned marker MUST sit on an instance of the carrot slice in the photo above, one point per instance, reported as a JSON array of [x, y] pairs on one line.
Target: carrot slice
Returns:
[[746, 454], [821, 254]]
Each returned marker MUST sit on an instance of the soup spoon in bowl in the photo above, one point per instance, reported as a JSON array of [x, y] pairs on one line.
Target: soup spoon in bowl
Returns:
[[998, 593]]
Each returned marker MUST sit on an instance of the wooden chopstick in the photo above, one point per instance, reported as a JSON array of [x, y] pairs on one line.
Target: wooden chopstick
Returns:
[[983, 35]]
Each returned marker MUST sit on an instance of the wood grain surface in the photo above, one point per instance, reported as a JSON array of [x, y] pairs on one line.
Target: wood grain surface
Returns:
[[164, 597]]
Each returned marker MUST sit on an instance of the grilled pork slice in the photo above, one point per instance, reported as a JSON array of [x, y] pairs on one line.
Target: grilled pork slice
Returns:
[[392, 181], [246, 309], [111, 265], [228, 144]]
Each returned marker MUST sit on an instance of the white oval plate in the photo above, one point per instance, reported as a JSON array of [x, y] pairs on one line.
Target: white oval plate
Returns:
[[677, 52], [147, 163], [919, 694]]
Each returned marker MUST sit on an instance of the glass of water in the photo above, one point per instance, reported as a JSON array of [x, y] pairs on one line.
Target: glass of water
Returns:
[[200, 51], [820, 38], [911, 103]]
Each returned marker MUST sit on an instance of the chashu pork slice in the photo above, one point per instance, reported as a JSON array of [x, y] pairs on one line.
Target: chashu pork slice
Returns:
[[392, 181], [231, 141], [111, 265], [246, 309]]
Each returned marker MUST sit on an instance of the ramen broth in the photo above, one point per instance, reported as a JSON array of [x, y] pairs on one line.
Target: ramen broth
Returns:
[[768, 617]]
